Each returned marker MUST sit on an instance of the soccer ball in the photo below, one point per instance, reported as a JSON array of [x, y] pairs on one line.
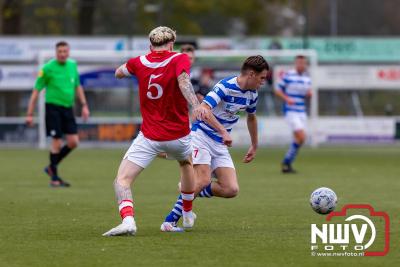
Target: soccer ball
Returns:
[[323, 200]]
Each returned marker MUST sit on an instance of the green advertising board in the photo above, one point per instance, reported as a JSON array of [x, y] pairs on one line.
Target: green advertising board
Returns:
[[343, 49]]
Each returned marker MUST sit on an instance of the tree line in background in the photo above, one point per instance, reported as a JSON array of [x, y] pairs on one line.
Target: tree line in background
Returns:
[[194, 17]]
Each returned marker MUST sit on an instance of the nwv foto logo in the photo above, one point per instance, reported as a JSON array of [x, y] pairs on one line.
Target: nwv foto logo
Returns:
[[356, 233]]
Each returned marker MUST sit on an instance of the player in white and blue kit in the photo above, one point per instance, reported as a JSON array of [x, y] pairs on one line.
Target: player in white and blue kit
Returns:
[[293, 89], [210, 152]]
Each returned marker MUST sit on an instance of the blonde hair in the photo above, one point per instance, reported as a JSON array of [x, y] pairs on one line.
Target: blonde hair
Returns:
[[161, 36]]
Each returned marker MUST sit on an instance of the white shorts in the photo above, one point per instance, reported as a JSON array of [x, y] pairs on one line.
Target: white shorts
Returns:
[[296, 120], [143, 150], [210, 152]]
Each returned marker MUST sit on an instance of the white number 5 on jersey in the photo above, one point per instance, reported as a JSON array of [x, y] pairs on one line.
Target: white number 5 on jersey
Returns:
[[156, 85]]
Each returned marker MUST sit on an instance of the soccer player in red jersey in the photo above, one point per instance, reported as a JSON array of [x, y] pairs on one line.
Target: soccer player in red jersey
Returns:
[[164, 91]]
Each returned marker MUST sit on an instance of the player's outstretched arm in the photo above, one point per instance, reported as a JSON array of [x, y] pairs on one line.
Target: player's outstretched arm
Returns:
[[213, 122], [122, 72], [201, 112], [188, 92], [253, 131], [284, 97], [31, 107]]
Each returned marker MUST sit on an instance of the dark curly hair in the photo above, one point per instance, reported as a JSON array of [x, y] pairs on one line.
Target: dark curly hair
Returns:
[[255, 63]]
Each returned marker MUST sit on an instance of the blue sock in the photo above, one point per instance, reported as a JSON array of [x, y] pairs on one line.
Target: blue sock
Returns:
[[291, 153], [176, 212], [206, 192]]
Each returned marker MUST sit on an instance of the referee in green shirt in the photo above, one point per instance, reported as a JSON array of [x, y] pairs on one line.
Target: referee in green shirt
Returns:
[[60, 78]]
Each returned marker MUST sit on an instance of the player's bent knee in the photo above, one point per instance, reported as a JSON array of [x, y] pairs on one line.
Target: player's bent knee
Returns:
[[73, 143], [300, 137], [234, 191], [56, 145], [231, 191]]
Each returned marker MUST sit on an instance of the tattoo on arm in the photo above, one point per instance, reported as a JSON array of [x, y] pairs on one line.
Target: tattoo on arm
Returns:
[[187, 89]]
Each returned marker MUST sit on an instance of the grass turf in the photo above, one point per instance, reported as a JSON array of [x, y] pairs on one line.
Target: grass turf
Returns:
[[268, 224]]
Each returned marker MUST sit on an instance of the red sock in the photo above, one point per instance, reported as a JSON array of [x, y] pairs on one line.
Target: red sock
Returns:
[[126, 208], [187, 201]]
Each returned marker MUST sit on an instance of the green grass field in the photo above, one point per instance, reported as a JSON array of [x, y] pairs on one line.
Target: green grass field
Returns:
[[268, 224]]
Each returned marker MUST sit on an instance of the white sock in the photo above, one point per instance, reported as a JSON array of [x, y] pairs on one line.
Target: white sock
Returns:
[[186, 213], [128, 220]]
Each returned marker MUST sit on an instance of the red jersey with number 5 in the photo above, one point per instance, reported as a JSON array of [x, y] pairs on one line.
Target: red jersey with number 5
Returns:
[[164, 109]]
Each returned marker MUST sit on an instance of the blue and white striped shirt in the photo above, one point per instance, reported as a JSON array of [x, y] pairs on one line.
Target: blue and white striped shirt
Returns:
[[295, 86], [226, 100]]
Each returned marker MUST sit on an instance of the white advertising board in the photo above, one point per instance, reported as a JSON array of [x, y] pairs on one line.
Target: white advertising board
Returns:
[[21, 77], [27, 48], [274, 131], [362, 77]]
